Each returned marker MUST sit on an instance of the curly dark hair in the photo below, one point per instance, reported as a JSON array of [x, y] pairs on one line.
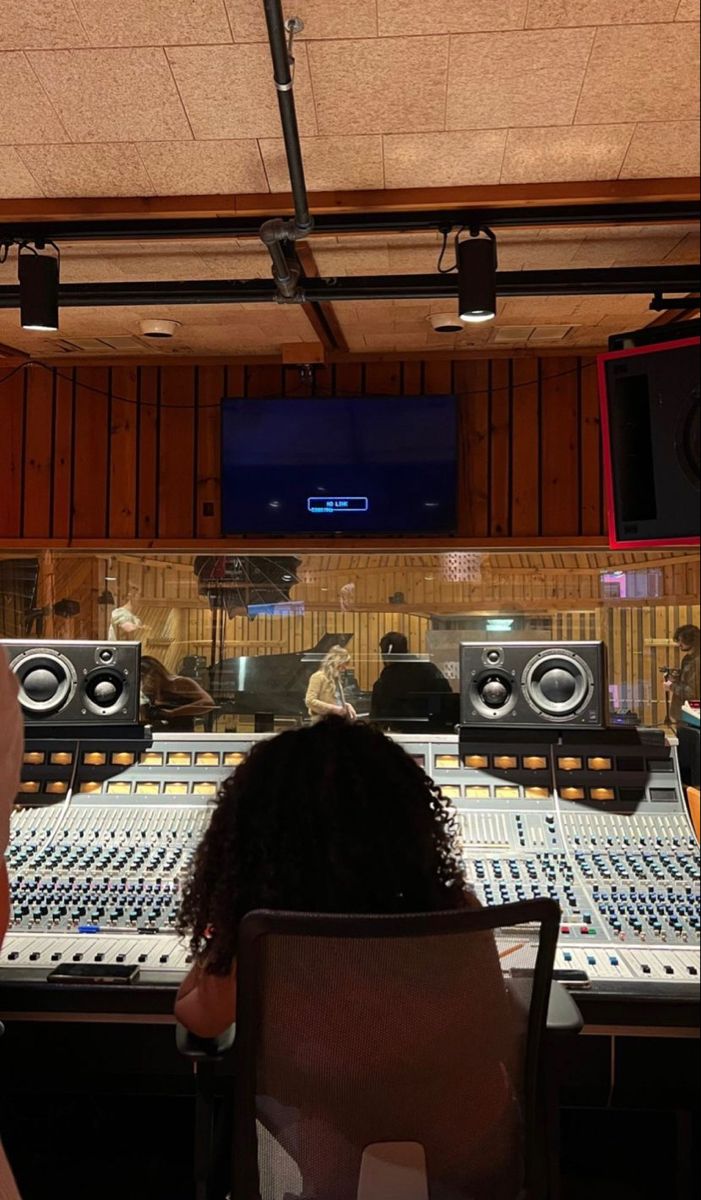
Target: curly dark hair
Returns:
[[335, 818]]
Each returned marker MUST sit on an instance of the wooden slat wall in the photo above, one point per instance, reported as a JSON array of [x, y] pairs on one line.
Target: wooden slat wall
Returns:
[[129, 454]]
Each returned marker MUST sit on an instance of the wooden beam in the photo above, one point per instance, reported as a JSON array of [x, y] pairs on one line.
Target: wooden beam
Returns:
[[10, 356], [322, 317], [245, 546], [265, 205]]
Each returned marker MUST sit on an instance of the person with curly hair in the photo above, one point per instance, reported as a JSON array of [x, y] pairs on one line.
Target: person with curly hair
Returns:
[[335, 818]]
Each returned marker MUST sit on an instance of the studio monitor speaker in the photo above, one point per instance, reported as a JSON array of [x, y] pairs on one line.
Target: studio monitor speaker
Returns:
[[650, 421], [533, 685], [77, 683]]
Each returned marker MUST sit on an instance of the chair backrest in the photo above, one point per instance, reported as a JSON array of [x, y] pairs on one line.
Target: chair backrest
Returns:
[[367, 1046]]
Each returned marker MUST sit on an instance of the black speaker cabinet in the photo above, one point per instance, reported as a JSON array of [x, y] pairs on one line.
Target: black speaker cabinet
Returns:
[[650, 421], [77, 683], [533, 685]]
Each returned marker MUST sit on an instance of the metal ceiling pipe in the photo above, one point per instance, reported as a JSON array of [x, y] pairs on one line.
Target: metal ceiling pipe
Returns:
[[277, 235], [284, 83]]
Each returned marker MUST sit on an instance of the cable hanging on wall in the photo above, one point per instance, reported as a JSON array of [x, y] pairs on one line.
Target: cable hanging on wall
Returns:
[[147, 404]]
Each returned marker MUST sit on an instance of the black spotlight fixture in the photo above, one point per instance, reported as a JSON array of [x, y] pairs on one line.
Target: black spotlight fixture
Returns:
[[38, 287], [477, 274]]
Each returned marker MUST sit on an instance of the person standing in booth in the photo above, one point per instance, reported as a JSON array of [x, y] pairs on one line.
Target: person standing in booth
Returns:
[[11, 745], [125, 623], [325, 694], [685, 684]]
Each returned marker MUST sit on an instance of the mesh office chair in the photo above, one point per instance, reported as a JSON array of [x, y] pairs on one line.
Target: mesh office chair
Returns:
[[391, 1058]]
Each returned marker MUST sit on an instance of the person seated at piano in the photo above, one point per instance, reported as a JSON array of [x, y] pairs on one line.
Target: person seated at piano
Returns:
[[406, 682], [171, 702], [325, 694], [338, 818], [11, 746]]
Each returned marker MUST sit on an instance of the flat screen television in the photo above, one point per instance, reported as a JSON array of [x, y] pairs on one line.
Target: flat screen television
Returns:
[[373, 465]]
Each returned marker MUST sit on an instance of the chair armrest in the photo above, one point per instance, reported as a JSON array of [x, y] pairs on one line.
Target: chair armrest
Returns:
[[564, 1017], [203, 1049]]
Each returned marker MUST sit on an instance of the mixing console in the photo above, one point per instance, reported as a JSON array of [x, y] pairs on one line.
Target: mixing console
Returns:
[[106, 830]]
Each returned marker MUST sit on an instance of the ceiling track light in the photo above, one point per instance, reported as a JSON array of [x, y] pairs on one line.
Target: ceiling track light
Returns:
[[477, 261], [39, 275]]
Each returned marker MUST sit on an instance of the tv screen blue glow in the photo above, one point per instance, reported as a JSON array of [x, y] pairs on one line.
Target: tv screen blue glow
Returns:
[[370, 465]]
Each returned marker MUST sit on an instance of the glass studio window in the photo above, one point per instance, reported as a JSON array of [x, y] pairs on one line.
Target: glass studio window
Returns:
[[252, 630]]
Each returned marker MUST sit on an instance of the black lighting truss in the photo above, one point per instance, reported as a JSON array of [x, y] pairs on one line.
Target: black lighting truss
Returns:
[[613, 281], [349, 223]]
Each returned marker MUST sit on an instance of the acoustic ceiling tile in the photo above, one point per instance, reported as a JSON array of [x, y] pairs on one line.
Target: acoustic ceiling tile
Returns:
[[39, 25], [529, 252], [399, 17], [89, 263], [153, 22], [27, 114], [228, 91], [511, 80], [444, 159], [112, 95], [330, 163], [322, 19], [627, 247], [204, 168], [687, 251], [554, 155], [552, 13], [391, 85], [667, 149], [527, 310], [641, 73], [88, 170], [16, 180], [340, 260]]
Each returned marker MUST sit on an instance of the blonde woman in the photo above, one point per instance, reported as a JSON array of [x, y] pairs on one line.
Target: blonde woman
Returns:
[[325, 697]]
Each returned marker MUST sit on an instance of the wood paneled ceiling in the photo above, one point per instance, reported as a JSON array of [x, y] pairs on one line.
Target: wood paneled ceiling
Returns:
[[166, 97]]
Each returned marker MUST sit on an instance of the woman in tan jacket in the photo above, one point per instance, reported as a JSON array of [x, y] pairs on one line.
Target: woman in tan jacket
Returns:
[[325, 695]]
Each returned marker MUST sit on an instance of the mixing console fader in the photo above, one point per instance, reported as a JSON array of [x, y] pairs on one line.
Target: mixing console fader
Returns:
[[106, 830]]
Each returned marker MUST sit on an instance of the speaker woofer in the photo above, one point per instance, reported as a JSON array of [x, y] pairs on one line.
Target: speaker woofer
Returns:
[[105, 692], [558, 684], [47, 682]]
